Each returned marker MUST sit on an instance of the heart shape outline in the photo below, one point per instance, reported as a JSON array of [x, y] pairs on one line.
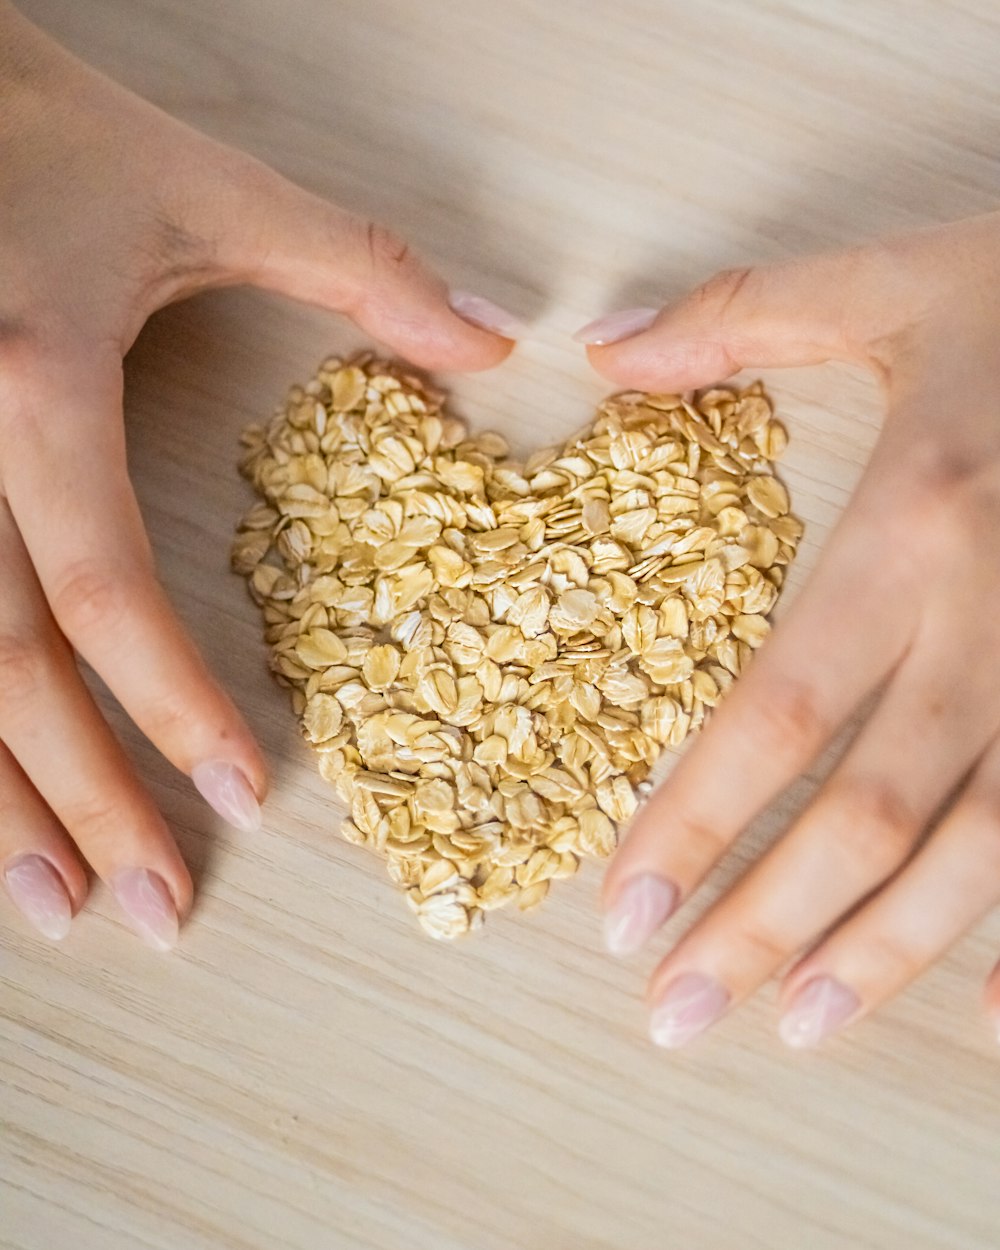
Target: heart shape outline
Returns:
[[489, 657]]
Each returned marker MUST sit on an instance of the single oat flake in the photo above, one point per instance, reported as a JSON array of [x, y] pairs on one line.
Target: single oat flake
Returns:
[[489, 656]]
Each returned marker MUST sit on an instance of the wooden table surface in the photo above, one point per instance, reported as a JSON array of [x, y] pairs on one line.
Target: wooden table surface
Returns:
[[307, 1071]]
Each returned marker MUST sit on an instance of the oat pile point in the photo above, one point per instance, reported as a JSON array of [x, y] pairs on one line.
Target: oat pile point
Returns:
[[489, 656]]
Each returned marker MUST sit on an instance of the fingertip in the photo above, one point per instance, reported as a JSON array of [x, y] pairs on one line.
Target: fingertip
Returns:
[[74, 878], [441, 340], [485, 315], [151, 904], [179, 882], [790, 983], [655, 350], [616, 326], [45, 890], [245, 753], [226, 788], [651, 362], [486, 351], [65, 865], [643, 904], [165, 861], [259, 775]]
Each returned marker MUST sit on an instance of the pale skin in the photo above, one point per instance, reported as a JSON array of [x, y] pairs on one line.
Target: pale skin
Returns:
[[110, 210], [898, 854]]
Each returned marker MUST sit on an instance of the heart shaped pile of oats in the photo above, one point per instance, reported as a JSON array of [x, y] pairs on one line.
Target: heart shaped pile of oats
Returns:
[[489, 656]]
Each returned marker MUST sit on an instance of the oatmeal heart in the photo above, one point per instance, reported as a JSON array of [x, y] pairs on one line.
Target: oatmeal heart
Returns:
[[489, 656]]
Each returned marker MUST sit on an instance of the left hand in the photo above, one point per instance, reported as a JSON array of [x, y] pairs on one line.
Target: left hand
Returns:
[[110, 209]]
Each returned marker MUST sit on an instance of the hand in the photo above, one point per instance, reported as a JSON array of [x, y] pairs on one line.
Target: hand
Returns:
[[899, 851], [110, 209]]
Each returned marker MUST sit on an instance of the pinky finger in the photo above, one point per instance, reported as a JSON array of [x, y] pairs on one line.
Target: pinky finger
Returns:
[[908, 925], [41, 870]]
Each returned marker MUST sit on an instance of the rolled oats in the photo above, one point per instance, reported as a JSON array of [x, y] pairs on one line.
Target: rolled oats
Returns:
[[488, 656]]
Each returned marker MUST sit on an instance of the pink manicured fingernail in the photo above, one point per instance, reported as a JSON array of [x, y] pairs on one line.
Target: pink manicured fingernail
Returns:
[[224, 788], [485, 314], [692, 1002], [642, 905], [816, 1011], [616, 326], [145, 899], [37, 891]]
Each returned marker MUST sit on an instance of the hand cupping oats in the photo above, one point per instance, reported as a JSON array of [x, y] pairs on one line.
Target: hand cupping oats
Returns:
[[489, 656]]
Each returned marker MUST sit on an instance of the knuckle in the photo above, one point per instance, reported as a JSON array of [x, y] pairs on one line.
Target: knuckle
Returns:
[[93, 819], [21, 368], [761, 945], [889, 961], [90, 596], [166, 716], [949, 499], [24, 664], [871, 824], [724, 287], [698, 839], [866, 323], [788, 720], [387, 252]]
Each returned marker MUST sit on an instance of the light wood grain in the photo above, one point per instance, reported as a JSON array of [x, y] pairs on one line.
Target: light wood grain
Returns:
[[307, 1071]]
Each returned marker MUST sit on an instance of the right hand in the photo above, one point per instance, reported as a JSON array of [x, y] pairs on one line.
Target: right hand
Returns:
[[898, 853], [110, 210]]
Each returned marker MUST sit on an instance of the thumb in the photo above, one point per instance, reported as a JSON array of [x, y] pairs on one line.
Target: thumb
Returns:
[[288, 240], [802, 312]]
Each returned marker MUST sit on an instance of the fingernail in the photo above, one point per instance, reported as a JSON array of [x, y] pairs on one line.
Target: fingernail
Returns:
[[643, 904], [146, 901], [692, 1002], [37, 891], [485, 314], [816, 1011], [225, 789], [616, 326]]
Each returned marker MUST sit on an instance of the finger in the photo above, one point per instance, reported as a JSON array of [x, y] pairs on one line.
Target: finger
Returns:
[[41, 871], [52, 727], [288, 240], [921, 740], [73, 503], [948, 886], [831, 306], [833, 649]]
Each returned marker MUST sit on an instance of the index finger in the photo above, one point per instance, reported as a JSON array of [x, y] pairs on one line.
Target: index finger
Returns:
[[69, 491]]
